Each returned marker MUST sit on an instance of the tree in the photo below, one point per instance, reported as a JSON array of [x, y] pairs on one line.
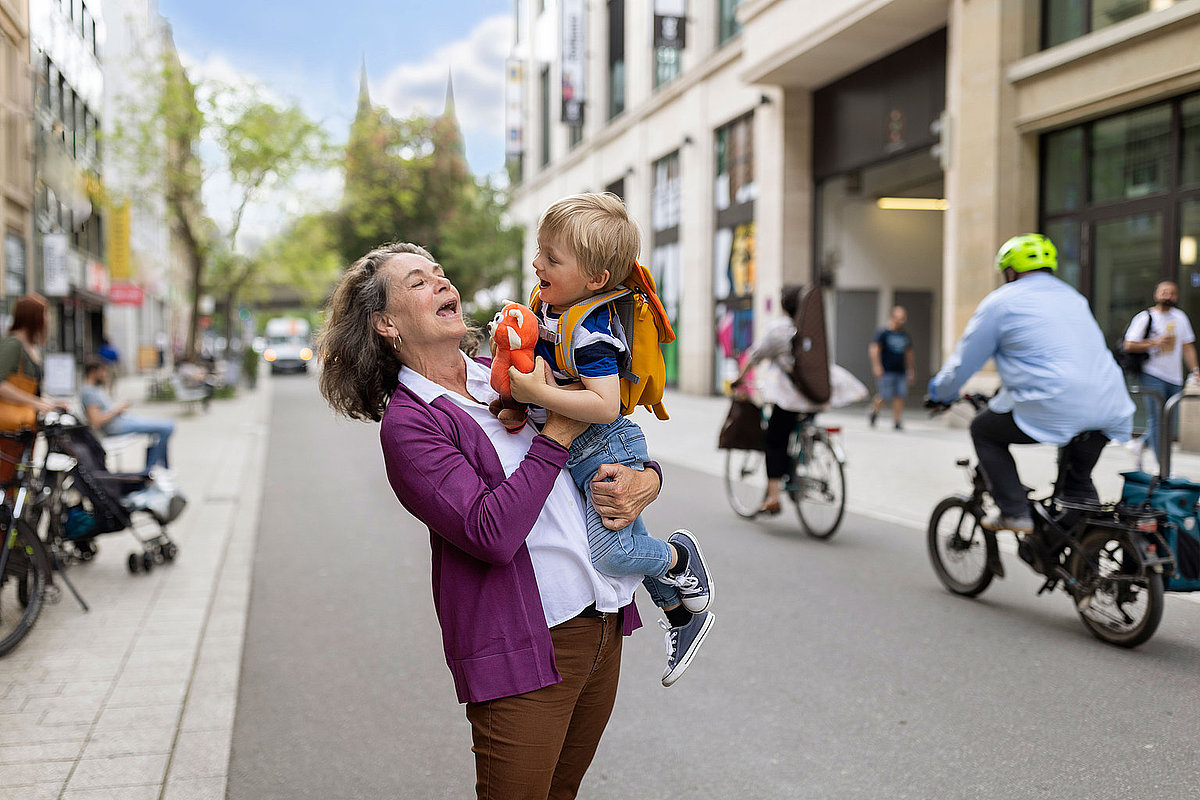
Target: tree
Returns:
[[261, 146], [407, 179], [304, 259]]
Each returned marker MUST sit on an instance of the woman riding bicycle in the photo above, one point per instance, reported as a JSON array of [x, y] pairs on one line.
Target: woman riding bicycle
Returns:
[[776, 387], [1059, 379]]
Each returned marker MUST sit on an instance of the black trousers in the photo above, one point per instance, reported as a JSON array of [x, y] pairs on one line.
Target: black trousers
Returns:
[[992, 434], [779, 429]]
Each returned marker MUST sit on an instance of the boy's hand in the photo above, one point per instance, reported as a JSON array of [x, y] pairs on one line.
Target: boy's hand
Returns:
[[526, 388]]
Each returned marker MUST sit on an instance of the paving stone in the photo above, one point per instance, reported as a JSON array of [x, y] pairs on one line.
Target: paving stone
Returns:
[[148, 792], [40, 791], [33, 772], [201, 754], [131, 742], [196, 789], [115, 771], [44, 751]]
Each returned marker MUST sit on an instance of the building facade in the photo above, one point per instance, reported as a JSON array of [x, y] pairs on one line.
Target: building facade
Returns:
[[16, 152], [881, 148], [68, 217]]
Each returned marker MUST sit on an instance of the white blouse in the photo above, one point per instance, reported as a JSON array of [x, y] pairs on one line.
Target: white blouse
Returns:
[[558, 542]]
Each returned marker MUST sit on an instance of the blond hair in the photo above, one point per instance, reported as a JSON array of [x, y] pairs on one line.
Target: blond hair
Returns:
[[599, 232]]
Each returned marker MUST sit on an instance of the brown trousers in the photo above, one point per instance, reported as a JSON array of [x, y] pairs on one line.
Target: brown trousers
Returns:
[[538, 745]]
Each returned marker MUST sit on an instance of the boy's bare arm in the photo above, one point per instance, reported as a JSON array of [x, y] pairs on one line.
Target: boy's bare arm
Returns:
[[598, 401]]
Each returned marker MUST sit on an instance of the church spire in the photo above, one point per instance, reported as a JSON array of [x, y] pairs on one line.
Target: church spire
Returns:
[[448, 111], [364, 95]]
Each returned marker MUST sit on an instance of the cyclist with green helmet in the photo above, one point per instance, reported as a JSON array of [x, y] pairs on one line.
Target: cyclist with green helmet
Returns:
[[1059, 379]]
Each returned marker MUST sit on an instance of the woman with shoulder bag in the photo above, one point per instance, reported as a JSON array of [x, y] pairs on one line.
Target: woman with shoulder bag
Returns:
[[21, 377]]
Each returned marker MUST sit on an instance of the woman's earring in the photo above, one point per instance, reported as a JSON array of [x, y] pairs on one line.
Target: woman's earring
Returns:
[[396, 343]]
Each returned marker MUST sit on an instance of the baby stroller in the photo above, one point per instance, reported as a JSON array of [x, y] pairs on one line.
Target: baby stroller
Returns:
[[84, 500]]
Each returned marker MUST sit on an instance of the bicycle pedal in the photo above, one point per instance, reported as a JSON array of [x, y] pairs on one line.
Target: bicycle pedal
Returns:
[[1048, 586]]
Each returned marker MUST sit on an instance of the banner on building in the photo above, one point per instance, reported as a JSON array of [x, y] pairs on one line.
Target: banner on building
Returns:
[[125, 294], [573, 61], [56, 275], [119, 252], [670, 23], [514, 144]]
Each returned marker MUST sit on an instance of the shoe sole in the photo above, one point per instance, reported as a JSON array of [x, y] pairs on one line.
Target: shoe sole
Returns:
[[683, 533], [686, 661], [1003, 528]]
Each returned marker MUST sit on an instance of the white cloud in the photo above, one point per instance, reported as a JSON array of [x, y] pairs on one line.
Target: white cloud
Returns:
[[477, 65]]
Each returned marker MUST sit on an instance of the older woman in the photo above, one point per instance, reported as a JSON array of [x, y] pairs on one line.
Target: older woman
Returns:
[[531, 631]]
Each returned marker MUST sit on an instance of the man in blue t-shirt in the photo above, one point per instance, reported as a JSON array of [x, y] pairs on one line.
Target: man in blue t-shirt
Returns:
[[892, 360]]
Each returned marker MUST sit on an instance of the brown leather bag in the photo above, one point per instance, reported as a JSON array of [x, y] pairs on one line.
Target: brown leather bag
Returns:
[[743, 428], [14, 416]]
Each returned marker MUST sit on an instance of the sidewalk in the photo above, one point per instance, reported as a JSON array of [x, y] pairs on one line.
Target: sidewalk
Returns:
[[136, 698]]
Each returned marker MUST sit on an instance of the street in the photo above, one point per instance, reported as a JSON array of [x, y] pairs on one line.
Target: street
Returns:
[[834, 669]]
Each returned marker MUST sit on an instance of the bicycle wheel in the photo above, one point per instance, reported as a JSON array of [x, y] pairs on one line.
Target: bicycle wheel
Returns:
[[820, 493], [22, 585], [958, 548], [1115, 601], [745, 481]]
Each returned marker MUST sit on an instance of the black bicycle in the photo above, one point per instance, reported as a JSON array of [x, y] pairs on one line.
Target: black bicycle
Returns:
[[816, 483], [1109, 557]]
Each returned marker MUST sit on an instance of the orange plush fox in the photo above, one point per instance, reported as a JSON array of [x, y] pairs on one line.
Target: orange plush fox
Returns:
[[514, 335]]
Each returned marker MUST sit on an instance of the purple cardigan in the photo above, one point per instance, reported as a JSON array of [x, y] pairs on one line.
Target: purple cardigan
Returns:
[[445, 471]]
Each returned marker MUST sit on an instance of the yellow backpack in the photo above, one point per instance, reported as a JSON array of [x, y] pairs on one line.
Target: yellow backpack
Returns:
[[645, 329]]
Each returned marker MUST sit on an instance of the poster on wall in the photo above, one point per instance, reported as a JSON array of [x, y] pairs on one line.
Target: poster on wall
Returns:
[[573, 61]]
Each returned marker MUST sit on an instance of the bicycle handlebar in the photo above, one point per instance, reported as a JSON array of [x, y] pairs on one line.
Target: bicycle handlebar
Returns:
[[975, 400]]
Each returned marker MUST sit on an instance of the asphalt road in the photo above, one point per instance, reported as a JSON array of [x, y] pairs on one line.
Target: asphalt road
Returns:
[[834, 669]]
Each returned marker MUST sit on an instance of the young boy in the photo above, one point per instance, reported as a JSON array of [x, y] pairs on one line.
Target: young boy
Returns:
[[587, 244]]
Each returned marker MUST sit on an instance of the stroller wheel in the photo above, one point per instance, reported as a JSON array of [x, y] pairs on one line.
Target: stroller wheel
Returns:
[[134, 561], [147, 562], [87, 550], [170, 551]]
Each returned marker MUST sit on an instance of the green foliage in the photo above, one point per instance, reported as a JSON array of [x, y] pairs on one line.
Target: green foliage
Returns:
[[407, 180], [304, 259]]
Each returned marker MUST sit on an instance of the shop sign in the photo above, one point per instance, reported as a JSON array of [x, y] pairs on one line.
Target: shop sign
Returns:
[[125, 294], [55, 269]]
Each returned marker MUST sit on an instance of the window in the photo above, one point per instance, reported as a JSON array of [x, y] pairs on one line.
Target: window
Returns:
[[1120, 198], [14, 261], [666, 65], [734, 267], [574, 135], [1064, 20], [616, 57], [727, 24], [665, 254]]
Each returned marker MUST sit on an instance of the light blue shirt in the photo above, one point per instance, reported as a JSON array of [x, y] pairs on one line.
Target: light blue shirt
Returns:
[[1059, 377]]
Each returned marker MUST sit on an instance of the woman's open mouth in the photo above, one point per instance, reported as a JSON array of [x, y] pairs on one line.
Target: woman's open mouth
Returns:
[[448, 309]]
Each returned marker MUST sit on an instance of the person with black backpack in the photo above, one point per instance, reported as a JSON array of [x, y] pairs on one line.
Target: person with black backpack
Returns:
[[1162, 335]]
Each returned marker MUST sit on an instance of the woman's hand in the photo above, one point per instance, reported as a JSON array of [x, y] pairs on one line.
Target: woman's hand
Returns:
[[563, 429], [620, 494]]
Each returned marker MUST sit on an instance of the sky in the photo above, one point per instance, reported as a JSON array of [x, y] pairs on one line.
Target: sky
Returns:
[[312, 52]]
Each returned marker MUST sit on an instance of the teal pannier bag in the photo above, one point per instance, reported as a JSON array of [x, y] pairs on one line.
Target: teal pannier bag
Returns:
[[1180, 498]]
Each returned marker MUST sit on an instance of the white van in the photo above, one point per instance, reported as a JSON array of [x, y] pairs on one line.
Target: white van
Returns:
[[289, 344]]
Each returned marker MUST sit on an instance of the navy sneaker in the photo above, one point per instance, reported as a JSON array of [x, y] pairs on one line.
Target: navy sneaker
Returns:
[[694, 585], [682, 644]]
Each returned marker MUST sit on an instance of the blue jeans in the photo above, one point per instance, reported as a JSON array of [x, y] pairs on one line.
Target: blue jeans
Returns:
[[1150, 383], [892, 385], [159, 431], [631, 550]]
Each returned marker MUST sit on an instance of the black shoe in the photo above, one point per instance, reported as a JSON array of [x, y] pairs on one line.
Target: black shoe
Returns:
[[872, 415]]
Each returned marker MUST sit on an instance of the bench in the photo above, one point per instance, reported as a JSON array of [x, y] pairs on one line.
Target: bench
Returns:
[[187, 395]]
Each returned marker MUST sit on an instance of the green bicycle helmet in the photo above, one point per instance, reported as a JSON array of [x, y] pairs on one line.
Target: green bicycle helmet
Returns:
[[1027, 252]]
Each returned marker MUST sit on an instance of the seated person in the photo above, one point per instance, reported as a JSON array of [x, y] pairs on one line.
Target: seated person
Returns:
[[112, 420]]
